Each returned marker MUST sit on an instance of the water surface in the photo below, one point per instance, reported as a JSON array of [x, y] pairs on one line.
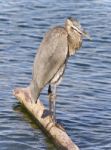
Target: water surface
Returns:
[[84, 96]]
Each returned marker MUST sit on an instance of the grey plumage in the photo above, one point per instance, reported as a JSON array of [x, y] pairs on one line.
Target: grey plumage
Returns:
[[50, 57], [50, 61]]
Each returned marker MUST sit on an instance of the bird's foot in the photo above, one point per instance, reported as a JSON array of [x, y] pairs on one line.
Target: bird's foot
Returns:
[[55, 123], [60, 126]]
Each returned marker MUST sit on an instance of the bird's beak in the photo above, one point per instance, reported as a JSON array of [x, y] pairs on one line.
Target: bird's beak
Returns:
[[84, 33]]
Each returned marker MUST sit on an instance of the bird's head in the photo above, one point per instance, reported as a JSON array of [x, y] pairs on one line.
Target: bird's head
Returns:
[[73, 26]]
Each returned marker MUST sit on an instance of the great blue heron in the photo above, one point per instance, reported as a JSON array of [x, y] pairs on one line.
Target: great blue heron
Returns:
[[58, 44]]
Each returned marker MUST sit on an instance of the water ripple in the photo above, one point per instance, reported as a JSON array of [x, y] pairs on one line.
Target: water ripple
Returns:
[[83, 101]]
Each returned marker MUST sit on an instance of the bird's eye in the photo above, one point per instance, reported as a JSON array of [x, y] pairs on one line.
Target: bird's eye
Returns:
[[72, 28]]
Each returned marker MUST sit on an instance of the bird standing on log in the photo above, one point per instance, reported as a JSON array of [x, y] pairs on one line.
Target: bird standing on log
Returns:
[[50, 61]]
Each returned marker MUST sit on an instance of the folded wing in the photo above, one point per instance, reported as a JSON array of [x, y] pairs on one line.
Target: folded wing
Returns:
[[51, 55]]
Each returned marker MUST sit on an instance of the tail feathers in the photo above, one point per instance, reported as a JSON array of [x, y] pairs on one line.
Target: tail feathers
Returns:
[[35, 92]]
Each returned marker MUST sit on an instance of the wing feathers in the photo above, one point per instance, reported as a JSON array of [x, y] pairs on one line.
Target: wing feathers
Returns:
[[51, 55]]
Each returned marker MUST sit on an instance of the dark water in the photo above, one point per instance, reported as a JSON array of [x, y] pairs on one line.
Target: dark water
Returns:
[[84, 96]]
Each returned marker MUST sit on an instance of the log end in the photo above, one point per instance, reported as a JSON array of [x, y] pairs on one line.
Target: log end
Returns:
[[42, 115]]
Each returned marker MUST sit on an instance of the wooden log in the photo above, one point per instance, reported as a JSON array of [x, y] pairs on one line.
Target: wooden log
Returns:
[[58, 135]]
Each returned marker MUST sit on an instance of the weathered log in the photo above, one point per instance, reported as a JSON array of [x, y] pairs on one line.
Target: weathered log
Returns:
[[58, 135]]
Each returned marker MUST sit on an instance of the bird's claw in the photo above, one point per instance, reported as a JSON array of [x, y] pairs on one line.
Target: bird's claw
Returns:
[[55, 123], [59, 126]]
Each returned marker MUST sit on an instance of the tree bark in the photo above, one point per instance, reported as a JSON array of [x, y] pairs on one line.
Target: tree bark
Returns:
[[57, 133]]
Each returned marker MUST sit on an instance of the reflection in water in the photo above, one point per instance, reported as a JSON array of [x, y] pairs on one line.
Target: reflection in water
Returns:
[[83, 104], [31, 120]]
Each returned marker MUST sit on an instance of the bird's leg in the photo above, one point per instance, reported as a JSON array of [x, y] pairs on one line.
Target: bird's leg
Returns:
[[52, 102], [52, 106]]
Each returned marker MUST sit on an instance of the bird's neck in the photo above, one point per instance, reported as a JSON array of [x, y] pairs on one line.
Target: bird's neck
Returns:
[[74, 43]]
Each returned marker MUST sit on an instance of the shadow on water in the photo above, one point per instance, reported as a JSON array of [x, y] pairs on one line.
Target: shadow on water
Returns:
[[32, 121]]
